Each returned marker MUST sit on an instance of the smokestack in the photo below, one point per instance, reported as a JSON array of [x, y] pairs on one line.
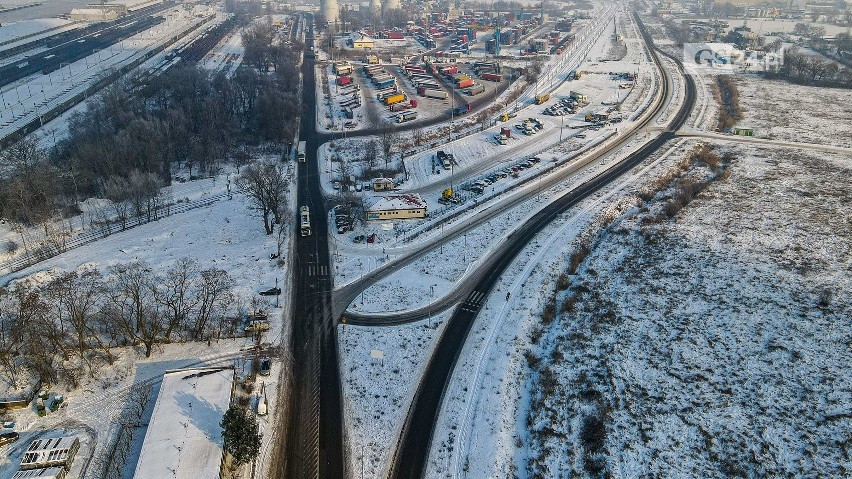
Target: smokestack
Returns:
[[330, 10], [389, 5]]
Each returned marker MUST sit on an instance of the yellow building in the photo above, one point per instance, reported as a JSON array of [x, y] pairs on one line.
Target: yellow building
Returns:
[[396, 207], [363, 41]]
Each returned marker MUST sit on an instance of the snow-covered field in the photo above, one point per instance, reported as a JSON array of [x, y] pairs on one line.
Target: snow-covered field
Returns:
[[783, 111], [710, 345], [378, 391]]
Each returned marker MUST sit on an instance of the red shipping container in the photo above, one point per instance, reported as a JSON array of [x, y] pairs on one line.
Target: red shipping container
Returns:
[[492, 77], [465, 83]]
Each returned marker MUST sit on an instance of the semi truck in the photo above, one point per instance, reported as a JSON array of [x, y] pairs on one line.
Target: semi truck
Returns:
[[461, 110], [387, 83], [492, 77], [406, 116]]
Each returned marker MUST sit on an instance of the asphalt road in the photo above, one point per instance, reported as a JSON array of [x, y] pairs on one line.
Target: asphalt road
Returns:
[[314, 445], [412, 452]]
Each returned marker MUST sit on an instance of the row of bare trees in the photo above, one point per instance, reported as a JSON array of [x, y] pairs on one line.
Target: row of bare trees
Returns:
[[84, 314]]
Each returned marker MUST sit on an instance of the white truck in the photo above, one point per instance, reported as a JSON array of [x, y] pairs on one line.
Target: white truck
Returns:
[[406, 116]]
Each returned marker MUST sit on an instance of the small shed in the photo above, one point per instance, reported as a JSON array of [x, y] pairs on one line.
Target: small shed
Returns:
[[743, 131], [382, 184]]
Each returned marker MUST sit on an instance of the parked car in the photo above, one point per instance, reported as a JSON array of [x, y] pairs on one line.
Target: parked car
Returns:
[[8, 438], [358, 239], [336, 185], [271, 292], [265, 366]]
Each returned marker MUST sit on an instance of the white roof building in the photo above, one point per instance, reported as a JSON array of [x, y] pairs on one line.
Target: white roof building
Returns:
[[184, 438]]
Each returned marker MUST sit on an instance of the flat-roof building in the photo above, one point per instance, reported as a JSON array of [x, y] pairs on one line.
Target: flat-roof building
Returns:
[[396, 207], [184, 438]]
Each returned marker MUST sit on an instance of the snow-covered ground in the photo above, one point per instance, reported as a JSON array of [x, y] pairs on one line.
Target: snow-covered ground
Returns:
[[783, 111], [710, 345], [377, 392]]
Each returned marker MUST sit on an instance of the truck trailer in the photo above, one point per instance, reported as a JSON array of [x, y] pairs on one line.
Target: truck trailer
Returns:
[[406, 116], [475, 89], [395, 99]]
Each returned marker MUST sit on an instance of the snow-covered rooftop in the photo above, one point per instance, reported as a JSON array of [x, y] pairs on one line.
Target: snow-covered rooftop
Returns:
[[396, 202], [184, 439]]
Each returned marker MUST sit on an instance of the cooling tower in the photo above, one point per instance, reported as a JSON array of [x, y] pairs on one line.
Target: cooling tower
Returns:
[[330, 10], [389, 5], [376, 7]]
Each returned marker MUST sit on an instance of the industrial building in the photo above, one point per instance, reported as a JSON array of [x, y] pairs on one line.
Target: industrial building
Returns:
[[93, 15], [360, 40], [184, 439], [398, 207]]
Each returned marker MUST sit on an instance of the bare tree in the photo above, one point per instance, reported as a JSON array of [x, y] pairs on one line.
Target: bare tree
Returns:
[[178, 296], [417, 136], [371, 152], [132, 306], [117, 191], [389, 138], [76, 299], [215, 294], [265, 186]]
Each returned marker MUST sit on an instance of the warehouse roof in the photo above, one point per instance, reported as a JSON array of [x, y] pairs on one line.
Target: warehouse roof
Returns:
[[184, 439]]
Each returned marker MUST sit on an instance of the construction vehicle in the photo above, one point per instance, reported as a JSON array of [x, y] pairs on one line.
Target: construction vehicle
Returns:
[[449, 196], [539, 99]]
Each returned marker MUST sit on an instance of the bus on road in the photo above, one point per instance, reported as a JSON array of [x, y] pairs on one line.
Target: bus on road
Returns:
[[305, 220], [301, 151]]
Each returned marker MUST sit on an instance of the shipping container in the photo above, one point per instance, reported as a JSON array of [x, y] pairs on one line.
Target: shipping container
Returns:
[[492, 77], [395, 99], [465, 83], [385, 94], [387, 83], [450, 70], [398, 107]]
